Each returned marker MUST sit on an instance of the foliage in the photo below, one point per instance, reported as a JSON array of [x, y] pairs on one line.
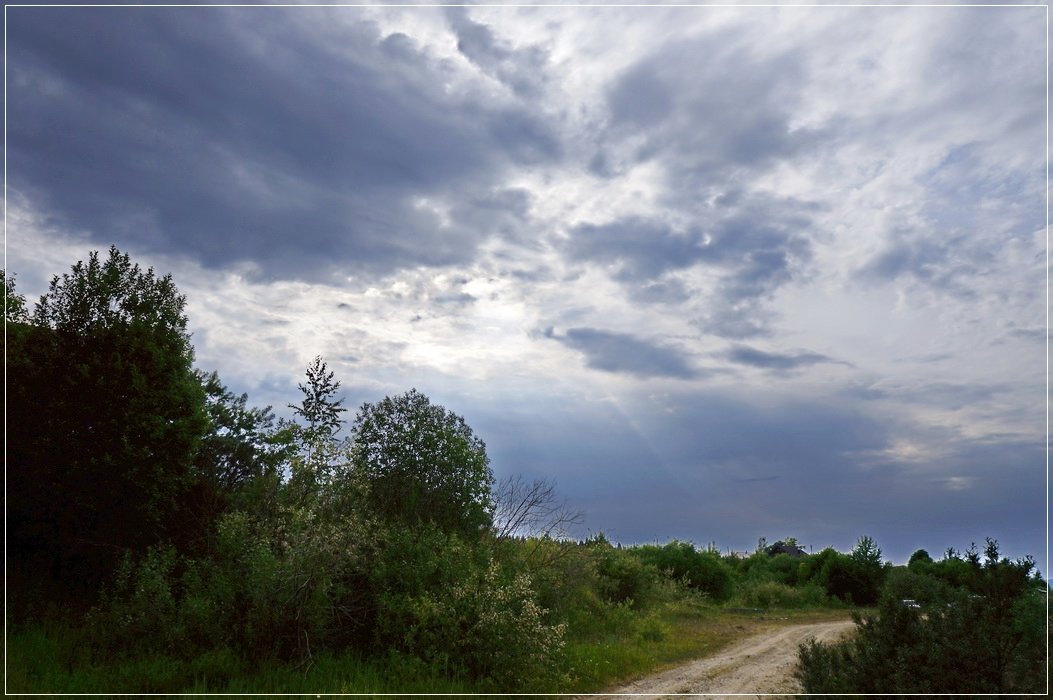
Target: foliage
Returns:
[[271, 590], [919, 558], [105, 416], [984, 637], [319, 408], [564, 574], [702, 570], [773, 594], [239, 459], [622, 576], [781, 568], [855, 578], [450, 604], [14, 303], [424, 465]]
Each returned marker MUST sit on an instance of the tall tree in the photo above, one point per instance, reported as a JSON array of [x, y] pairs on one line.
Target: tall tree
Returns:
[[105, 417], [320, 408]]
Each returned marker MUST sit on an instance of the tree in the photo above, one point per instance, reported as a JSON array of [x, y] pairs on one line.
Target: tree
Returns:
[[919, 558], [105, 417], [320, 407], [323, 460], [242, 451], [424, 465], [854, 578], [14, 303]]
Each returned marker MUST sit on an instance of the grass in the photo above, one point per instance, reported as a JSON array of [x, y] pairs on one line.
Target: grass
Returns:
[[53, 659], [625, 644]]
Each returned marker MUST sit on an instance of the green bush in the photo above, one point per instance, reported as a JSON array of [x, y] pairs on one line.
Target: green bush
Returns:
[[904, 583], [623, 577], [772, 594], [448, 603], [850, 580], [704, 571]]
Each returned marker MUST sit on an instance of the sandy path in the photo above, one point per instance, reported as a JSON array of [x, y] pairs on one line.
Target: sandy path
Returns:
[[760, 664]]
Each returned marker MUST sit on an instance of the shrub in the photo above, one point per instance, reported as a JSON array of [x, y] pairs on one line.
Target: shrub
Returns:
[[269, 589], [623, 577], [906, 583], [852, 581], [772, 594], [140, 603], [703, 571], [451, 605], [564, 575]]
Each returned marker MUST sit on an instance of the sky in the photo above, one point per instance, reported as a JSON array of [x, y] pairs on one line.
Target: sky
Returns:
[[721, 273]]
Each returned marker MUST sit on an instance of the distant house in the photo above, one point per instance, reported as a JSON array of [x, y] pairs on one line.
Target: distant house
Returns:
[[781, 547]]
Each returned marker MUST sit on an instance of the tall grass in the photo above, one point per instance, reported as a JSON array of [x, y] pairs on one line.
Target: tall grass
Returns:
[[53, 658], [618, 643]]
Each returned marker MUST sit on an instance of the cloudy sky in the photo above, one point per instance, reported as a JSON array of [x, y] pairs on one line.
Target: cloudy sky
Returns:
[[721, 272]]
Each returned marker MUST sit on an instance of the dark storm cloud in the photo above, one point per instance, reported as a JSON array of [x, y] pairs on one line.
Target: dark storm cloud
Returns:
[[498, 212], [757, 246], [251, 134], [624, 353], [745, 355]]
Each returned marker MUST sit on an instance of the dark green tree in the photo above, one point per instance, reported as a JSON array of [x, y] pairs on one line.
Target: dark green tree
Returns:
[[105, 417], [238, 463], [985, 636], [424, 465], [919, 558]]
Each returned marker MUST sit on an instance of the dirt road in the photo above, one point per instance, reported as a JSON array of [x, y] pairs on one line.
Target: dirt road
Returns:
[[758, 665]]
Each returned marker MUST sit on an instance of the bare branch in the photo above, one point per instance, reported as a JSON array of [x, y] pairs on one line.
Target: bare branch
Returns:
[[531, 509]]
